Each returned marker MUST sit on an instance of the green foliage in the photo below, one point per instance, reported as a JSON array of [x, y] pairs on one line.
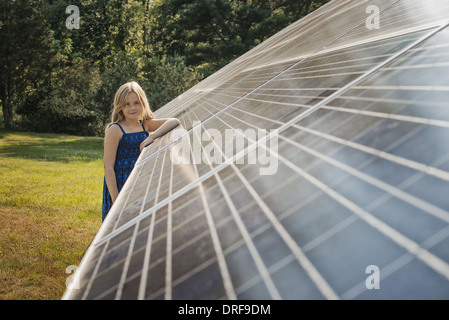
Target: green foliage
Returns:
[[119, 69], [69, 106], [55, 79], [169, 78], [25, 53], [208, 34]]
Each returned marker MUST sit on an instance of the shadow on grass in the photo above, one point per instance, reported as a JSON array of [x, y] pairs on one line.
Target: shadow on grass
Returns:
[[50, 147]]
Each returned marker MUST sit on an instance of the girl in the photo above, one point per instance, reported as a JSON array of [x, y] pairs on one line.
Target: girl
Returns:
[[133, 127]]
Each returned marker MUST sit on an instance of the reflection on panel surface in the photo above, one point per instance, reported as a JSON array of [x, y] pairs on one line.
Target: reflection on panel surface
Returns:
[[356, 124]]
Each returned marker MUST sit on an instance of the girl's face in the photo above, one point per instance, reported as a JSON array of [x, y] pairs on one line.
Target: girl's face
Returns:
[[132, 108]]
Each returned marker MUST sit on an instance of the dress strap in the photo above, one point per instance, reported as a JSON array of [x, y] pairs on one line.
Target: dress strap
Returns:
[[119, 126], [142, 125]]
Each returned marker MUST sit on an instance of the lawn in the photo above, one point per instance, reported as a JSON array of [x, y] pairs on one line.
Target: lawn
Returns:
[[50, 210]]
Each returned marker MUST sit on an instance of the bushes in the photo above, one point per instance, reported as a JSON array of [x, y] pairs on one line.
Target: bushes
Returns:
[[67, 105], [167, 79], [79, 98]]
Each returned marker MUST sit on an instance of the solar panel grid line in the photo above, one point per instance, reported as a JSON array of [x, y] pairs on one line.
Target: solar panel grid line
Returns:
[[391, 35], [411, 88], [234, 166], [188, 132], [174, 251], [322, 285], [246, 236], [439, 213], [131, 187], [287, 33], [373, 42], [302, 258], [396, 101], [310, 269], [122, 280], [265, 274], [149, 244], [425, 206], [237, 217], [307, 72], [277, 57], [334, 40], [168, 253], [427, 169], [386, 271], [217, 246], [324, 47], [87, 291], [434, 122], [397, 264], [81, 267], [168, 257], [295, 119], [278, 102], [96, 268], [225, 108], [146, 260], [430, 259], [412, 179], [131, 247], [383, 115]]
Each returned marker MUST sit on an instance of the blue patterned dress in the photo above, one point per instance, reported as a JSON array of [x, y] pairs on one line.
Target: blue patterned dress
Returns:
[[128, 151]]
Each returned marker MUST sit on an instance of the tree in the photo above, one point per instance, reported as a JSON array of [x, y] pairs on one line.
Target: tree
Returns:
[[166, 79], [25, 53], [69, 106], [208, 34]]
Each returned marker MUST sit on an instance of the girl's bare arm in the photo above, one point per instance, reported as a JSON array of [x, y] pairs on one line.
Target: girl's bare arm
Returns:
[[111, 141], [158, 127]]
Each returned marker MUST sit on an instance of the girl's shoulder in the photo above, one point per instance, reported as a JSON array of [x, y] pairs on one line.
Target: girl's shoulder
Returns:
[[115, 129], [146, 123]]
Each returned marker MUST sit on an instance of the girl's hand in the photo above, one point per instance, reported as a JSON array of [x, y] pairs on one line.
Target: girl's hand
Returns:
[[146, 142]]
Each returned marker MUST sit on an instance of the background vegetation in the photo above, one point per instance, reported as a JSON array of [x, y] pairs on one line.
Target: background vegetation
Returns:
[[61, 80]]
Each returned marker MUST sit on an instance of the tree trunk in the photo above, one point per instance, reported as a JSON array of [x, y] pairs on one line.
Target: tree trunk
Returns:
[[6, 107], [7, 114]]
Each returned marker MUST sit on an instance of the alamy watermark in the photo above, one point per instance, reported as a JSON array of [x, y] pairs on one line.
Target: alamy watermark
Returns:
[[373, 20], [249, 146], [373, 280], [73, 21], [71, 282]]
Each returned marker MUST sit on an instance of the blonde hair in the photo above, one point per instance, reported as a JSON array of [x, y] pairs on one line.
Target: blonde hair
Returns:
[[120, 99]]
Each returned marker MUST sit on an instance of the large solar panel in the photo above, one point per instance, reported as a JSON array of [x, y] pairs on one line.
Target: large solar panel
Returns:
[[315, 166]]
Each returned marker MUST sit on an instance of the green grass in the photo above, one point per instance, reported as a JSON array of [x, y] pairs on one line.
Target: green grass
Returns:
[[50, 210]]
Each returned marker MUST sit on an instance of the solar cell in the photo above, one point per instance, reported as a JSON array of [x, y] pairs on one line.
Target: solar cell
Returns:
[[342, 169]]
